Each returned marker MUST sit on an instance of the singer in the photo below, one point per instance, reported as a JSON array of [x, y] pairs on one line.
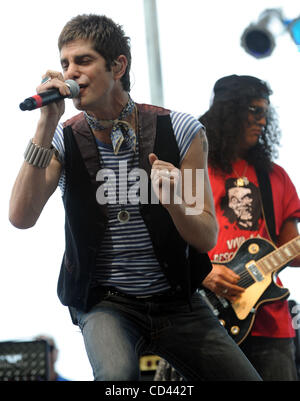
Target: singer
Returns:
[[130, 271]]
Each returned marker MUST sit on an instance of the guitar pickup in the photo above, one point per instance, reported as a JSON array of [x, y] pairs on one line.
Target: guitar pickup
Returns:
[[254, 271]]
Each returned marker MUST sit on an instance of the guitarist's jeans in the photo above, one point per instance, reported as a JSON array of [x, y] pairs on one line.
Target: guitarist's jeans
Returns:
[[274, 358], [119, 329]]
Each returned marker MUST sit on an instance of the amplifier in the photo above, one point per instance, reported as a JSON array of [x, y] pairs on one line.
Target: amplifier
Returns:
[[24, 361], [148, 365], [149, 362]]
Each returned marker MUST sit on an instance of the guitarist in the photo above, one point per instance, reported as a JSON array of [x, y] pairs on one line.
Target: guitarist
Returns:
[[243, 134]]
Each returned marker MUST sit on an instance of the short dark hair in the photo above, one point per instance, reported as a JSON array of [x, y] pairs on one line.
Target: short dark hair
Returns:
[[107, 37]]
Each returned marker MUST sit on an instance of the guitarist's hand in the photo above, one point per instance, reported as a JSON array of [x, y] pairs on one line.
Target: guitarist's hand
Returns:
[[222, 281]]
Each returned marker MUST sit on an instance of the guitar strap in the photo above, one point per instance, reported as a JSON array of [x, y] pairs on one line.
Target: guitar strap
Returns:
[[267, 202]]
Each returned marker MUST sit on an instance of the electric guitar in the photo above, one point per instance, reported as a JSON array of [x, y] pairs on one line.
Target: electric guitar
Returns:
[[257, 262]]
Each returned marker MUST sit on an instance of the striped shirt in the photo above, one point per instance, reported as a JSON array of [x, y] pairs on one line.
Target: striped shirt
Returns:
[[126, 258]]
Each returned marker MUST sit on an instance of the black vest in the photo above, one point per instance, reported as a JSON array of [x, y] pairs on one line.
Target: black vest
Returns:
[[86, 220]]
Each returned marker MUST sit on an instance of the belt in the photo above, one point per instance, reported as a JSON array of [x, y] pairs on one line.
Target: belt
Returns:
[[168, 295]]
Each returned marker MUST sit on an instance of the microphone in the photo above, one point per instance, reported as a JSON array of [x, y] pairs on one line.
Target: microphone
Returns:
[[50, 96]]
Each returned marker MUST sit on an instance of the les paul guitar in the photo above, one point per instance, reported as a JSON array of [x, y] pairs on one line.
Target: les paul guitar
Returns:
[[257, 262]]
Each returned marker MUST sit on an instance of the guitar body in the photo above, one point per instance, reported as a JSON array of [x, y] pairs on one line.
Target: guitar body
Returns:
[[265, 290], [238, 317], [236, 328]]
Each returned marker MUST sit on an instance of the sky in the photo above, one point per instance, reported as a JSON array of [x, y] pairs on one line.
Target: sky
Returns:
[[199, 43]]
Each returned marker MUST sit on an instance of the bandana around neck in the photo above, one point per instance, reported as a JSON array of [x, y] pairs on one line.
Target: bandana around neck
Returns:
[[121, 130]]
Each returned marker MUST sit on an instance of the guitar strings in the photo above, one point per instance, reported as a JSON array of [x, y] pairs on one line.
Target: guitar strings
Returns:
[[245, 279]]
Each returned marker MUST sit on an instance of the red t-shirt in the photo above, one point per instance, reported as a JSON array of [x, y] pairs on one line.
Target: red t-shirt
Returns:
[[239, 215]]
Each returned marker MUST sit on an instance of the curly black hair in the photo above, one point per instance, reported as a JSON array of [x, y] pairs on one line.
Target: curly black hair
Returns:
[[225, 121]]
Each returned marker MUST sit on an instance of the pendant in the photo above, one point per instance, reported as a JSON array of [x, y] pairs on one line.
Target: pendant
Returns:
[[123, 216], [241, 182]]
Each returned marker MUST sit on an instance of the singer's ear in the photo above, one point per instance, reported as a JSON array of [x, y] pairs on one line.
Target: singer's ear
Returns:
[[119, 66]]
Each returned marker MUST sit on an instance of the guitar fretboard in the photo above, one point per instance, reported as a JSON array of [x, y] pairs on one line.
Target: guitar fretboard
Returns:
[[280, 257]]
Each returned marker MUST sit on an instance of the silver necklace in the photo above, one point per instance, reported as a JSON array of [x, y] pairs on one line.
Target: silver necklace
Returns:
[[123, 215]]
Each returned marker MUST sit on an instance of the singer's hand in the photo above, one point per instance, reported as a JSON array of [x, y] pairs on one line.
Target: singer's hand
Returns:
[[56, 80], [165, 178]]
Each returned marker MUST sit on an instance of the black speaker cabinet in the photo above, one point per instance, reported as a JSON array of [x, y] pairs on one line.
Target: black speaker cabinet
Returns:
[[24, 361]]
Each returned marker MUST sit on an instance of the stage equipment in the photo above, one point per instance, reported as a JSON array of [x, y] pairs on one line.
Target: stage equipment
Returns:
[[24, 361], [259, 38]]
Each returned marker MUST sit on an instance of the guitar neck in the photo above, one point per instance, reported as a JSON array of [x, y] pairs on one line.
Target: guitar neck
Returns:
[[280, 257]]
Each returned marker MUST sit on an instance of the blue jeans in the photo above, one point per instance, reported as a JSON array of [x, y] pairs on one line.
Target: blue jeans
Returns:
[[118, 330]]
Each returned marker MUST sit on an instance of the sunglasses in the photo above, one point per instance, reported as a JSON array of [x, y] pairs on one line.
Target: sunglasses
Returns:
[[51, 347], [258, 112]]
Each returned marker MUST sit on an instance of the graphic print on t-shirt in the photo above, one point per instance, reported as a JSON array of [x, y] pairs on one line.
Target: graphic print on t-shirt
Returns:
[[241, 205]]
